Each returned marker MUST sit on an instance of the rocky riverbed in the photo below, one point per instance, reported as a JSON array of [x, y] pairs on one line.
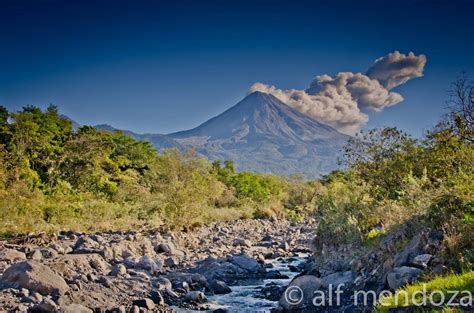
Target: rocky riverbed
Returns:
[[241, 266], [237, 266]]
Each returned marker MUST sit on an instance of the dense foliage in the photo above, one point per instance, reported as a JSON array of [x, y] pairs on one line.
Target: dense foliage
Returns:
[[52, 178], [391, 179]]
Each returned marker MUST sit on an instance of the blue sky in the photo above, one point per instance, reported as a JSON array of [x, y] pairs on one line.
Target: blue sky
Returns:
[[164, 66]]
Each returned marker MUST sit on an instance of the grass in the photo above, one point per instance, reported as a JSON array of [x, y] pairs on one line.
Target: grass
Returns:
[[405, 297]]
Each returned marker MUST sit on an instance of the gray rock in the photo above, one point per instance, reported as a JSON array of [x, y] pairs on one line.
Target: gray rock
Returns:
[[148, 264], [59, 249], [339, 279], [49, 253], [246, 262], [285, 246], [145, 303], [219, 287], [35, 277], [440, 269], [157, 298], [98, 238], [195, 296], [164, 248], [412, 249], [118, 269], [76, 308], [242, 242], [401, 276], [162, 283], [44, 308], [171, 261], [300, 292], [37, 296], [35, 255], [422, 260], [106, 282], [11, 255], [86, 245]]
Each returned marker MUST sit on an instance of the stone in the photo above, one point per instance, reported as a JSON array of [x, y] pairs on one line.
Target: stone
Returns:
[[300, 292], [35, 255], [35, 277], [285, 246], [144, 303], [148, 264], [157, 298], [164, 248], [412, 249], [422, 260], [242, 242], [49, 253], [76, 308], [44, 308], [401, 276], [86, 245], [219, 287], [59, 249], [106, 282], [171, 261], [98, 238], [11, 255], [195, 296], [118, 269], [440, 269], [162, 283], [246, 262], [338, 279]]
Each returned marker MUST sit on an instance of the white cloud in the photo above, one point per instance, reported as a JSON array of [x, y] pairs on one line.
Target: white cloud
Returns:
[[340, 101]]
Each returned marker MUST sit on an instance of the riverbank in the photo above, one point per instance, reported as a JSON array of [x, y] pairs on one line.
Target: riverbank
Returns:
[[221, 266]]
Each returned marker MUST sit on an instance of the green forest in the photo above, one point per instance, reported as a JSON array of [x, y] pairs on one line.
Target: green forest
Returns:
[[54, 178]]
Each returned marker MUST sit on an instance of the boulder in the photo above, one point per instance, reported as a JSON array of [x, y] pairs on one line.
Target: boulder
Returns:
[[246, 262], [412, 249], [86, 245], [338, 279], [195, 296], [35, 277], [164, 248], [242, 242], [219, 287], [148, 264], [35, 255], [11, 255], [300, 292], [171, 261], [76, 308], [285, 246], [145, 303], [118, 269], [162, 283], [157, 298], [422, 260], [49, 253], [401, 276]]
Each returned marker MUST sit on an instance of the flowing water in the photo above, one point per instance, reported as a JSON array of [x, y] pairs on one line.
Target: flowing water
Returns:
[[247, 297]]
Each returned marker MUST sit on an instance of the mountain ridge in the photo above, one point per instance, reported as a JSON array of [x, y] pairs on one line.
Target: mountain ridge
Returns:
[[261, 134]]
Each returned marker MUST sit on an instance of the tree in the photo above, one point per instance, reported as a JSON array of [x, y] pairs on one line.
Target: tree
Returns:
[[461, 108]]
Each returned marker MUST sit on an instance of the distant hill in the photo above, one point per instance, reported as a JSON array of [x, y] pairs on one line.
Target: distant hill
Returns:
[[159, 141]]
